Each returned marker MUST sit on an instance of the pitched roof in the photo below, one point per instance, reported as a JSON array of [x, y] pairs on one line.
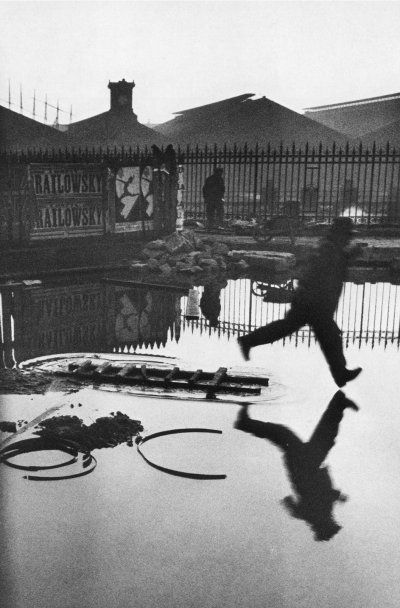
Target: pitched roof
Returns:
[[112, 129], [381, 137], [241, 120], [360, 117], [18, 133]]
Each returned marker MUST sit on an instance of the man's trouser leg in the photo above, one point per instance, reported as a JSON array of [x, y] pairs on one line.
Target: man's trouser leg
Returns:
[[220, 213], [329, 337], [275, 330], [210, 212]]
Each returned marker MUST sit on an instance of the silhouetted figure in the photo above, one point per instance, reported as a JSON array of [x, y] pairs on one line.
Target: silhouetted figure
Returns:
[[315, 495], [213, 193], [314, 303], [170, 159], [210, 302], [157, 157]]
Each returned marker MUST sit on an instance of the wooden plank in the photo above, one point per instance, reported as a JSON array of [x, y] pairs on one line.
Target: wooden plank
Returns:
[[127, 282]]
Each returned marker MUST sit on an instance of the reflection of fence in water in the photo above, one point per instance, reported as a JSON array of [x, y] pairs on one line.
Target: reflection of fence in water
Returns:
[[368, 313]]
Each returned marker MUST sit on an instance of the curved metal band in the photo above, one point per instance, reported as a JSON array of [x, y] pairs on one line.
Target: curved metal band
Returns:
[[174, 471], [37, 444], [91, 461]]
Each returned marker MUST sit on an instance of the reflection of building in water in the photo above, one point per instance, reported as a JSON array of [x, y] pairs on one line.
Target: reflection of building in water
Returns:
[[367, 313], [38, 321]]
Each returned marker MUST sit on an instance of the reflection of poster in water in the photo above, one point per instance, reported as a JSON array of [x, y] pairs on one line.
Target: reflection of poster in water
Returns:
[[134, 199], [145, 317], [56, 319]]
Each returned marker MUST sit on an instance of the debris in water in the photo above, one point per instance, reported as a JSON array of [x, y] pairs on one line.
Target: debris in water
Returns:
[[8, 427], [107, 431]]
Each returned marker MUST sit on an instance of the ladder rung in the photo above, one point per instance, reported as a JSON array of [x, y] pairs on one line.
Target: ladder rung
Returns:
[[103, 368], [86, 365], [193, 379], [218, 377], [171, 375], [127, 370]]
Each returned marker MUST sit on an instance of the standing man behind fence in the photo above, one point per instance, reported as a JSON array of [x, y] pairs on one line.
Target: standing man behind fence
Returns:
[[213, 193], [314, 302]]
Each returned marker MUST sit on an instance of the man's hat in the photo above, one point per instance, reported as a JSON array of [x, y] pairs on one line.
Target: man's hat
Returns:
[[342, 225]]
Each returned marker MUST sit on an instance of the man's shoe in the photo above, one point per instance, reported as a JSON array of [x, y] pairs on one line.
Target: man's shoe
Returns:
[[244, 349], [346, 376]]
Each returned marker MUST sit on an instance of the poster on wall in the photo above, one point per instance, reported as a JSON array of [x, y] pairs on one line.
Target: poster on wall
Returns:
[[69, 200], [134, 199]]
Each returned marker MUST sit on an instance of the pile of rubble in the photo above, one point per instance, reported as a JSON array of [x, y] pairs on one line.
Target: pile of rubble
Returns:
[[184, 252]]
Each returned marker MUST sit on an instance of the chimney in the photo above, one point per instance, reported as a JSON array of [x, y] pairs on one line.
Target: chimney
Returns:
[[121, 96]]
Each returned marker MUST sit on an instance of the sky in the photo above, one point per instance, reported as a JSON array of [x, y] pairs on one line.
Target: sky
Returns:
[[182, 54]]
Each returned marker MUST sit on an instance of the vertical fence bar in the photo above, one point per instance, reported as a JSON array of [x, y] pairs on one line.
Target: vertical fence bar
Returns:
[[345, 192], [298, 194], [324, 184], [378, 181], [261, 181], [385, 176], [359, 159], [255, 190], [275, 204], [267, 181], [235, 154], [371, 187], [337, 204], [292, 166], [332, 157]]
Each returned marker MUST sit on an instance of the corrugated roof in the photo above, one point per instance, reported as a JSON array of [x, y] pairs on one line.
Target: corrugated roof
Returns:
[[356, 102], [241, 120]]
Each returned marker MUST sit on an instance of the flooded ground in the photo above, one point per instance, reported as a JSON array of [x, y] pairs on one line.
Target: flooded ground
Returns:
[[130, 535]]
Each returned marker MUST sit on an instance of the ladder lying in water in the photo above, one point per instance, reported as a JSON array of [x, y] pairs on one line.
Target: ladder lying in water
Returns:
[[176, 378]]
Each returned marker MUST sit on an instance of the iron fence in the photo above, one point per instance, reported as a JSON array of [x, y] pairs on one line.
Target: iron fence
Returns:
[[312, 184]]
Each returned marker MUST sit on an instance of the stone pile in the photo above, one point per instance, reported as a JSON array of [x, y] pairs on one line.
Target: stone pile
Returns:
[[184, 252]]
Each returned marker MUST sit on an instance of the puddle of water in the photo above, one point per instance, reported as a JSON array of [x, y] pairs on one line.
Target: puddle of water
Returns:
[[128, 534]]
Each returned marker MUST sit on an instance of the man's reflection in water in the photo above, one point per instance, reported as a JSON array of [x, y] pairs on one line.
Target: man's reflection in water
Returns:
[[210, 302], [314, 492]]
